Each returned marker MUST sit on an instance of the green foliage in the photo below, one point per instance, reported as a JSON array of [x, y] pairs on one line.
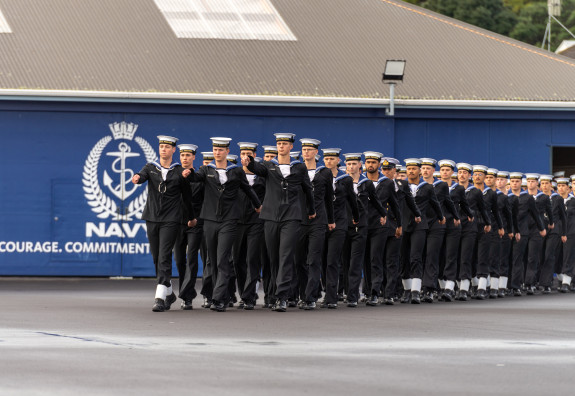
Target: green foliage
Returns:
[[524, 20]]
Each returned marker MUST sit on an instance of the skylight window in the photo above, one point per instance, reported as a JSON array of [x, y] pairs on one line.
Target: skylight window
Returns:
[[225, 19], [4, 27]]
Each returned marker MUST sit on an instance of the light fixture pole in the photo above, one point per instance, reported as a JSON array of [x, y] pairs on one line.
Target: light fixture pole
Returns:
[[393, 73]]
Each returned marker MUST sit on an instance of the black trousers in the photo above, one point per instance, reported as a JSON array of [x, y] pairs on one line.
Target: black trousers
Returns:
[[412, 246], [451, 253], [208, 271], [505, 256], [392, 249], [247, 259], [281, 240], [517, 264], [552, 245], [485, 243], [309, 254], [534, 248], [162, 238], [186, 252], [333, 249], [467, 248], [266, 273], [374, 268], [435, 237], [569, 256], [220, 238], [353, 254]]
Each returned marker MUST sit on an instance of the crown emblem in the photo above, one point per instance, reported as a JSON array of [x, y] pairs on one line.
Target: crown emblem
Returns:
[[385, 163], [123, 130]]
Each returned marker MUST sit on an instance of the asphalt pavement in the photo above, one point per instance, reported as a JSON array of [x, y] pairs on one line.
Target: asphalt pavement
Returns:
[[61, 336]]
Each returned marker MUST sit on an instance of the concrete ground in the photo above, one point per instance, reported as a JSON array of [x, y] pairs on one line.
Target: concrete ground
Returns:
[[100, 337]]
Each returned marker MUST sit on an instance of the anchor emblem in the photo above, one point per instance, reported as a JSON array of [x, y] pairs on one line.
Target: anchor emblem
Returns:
[[120, 190]]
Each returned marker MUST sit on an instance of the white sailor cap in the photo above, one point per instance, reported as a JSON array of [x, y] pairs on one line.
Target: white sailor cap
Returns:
[[285, 137], [479, 168], [554, 184], [492, 171], [447, 163], [572, 177], [524, 182], [221, 141], [317, 157], [532, 176], [454, 176], [546, 178], [258, 159], [562, 180], [428, 161], [389, 163], [331, 152], [464, 166], [270, 149], [306, 142], [352, 156], [294, 154], [232, 158], [559, 174], [516, 175], [373, 155], [248, 146], [188, 148], [208, 155], [412, 162], [436, 174], [342, 168], [503, 174], [164, 139], [401, 169]]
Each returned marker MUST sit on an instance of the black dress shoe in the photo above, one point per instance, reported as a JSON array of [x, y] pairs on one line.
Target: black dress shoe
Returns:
[[310, 306], [241, 304], [323, 304], [564, 288], [281, 306], [340, 297], [292, 303], [501, 293], [530, 290], [517, 292], [415, 297], [427, 297], [388, 301], [207, 303], [249, 306], [158, 305], [230, 304], [187, 305], [463, 295], [332, 306], [219, 307], [372, 302], [493, 293], [406, 298], [547, 290], [352, 304], [473, 292], [481, 294], [169, 301], [447, 295]]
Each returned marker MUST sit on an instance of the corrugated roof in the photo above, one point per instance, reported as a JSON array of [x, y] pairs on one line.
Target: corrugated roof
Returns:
[[341, 48]]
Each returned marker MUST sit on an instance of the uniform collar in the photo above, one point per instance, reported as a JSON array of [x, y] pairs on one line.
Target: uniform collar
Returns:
[[172, 166]]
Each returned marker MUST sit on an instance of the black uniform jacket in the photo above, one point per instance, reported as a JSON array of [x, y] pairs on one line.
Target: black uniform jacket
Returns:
[[385, 191], [408, 208], [248, 214], [282, 202], [559, 215], [523, 208], [197, 201], [477, 207], [424, 195], [165, 197], [221, 200], [490, 199], [344, 196], [322, 185], [366, 196], [448, 207], [570, 209], [457, 195], [505, 211], [543, 203]]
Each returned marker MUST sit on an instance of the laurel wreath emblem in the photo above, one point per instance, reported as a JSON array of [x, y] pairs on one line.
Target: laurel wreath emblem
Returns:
[[99, 202]]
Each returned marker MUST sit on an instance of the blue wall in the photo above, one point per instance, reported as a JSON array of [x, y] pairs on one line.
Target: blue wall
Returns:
[[47, 145]]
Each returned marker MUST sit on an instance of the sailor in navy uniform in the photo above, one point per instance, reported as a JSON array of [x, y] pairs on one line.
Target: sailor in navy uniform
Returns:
[[354, 249], [503, 254], [535, 244], [344, 196], [222, 181], [470, 228], [448, 266], [401, 172], [524, 213], [311, 241], [394, 228], [556, 237], [487, 237], [373, 274], [207, 280], [189, 239], [247, 246], [566, 272], [270, 152], [282, 212], [167, 190], [415, 234], [436, 231]]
